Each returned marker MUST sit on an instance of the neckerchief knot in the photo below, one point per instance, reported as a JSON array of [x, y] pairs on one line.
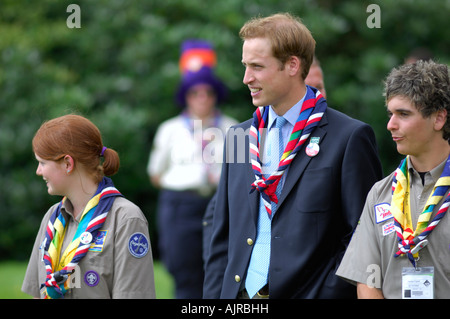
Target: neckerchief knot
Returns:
[[407, 237]]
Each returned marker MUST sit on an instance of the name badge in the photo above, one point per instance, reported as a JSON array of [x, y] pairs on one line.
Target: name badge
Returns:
[[388, 228], [418, 283]]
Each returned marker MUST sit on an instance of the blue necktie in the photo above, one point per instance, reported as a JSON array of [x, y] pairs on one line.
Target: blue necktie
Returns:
[[260, 259]]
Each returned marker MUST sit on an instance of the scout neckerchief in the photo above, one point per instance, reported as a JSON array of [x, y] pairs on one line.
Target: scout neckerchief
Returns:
[[59, 267], [407, 237], [215, 122], [189, 121], [311, 113]]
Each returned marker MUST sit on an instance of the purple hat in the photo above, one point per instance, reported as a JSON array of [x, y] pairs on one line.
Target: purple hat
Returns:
[[197, 63]]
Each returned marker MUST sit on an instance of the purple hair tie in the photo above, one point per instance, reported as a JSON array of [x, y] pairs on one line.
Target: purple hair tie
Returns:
[[103, 151]]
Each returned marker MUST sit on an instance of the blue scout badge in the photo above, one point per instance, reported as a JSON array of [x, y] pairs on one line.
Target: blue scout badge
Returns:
[[138, 245]]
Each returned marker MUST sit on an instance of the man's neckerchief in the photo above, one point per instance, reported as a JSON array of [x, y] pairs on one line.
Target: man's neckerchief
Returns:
[[400, 209], [59, 267], [310, 115]]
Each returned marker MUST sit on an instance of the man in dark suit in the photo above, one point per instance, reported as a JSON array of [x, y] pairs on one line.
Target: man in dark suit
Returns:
[[281, 232]]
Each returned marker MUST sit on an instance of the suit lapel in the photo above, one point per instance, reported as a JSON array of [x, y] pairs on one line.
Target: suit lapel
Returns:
[[300, 162], [294, 172], [249, 176]]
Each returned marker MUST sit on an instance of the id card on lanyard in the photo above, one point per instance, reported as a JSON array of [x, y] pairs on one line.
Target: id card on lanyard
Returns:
[[418, 283]]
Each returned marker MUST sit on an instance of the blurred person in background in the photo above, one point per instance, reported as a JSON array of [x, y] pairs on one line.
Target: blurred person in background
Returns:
[[315, 77], [185, 164], [417, 54]]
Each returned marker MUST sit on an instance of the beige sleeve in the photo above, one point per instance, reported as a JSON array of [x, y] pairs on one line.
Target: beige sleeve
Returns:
[[133, 260], [35, 273]]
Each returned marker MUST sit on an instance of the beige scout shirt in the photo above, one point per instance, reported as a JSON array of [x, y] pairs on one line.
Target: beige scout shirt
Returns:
[[109, 269], [369, 259]]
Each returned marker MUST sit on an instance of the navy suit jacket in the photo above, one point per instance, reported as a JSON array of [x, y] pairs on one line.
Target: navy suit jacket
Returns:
[[319, 207]]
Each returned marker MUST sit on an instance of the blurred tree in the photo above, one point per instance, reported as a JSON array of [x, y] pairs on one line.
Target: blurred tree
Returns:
[[120, 69]]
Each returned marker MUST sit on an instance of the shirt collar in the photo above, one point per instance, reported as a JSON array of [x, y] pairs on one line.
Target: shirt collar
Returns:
[[291, 115], [435, 172], [67, 209]]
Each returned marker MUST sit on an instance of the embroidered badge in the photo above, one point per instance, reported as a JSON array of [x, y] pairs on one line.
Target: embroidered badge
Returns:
[[382, 212], [388, 228], [99, 241], [138, 245], [91, 278]]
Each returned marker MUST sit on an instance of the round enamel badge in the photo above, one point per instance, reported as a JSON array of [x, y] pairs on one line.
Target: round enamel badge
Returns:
[[312, 149], [86, 238], [138, 245]]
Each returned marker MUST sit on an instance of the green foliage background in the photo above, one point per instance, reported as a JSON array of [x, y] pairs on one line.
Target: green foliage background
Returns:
[[120, 69]]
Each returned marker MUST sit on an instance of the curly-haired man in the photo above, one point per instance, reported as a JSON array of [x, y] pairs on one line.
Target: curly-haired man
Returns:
[[400, 248]]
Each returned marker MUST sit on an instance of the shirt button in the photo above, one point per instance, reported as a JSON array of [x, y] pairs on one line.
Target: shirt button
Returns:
[[249, 241], [237, 278]]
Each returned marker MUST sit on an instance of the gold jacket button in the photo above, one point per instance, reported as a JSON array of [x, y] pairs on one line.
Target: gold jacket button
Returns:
[[249, 241], [237, 278]]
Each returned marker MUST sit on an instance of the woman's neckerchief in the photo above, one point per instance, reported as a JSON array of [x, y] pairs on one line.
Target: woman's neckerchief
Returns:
[[198, 134], [205, 124], [400, 209], [310, 115], [59, 267]]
